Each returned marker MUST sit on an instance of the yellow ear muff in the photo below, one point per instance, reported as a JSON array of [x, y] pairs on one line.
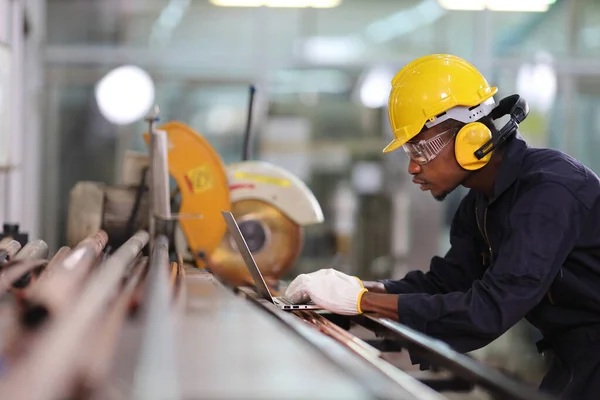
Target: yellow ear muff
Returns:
[[468, 140]]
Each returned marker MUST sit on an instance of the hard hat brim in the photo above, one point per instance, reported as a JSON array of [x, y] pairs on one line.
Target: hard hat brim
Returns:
[[394, 145]]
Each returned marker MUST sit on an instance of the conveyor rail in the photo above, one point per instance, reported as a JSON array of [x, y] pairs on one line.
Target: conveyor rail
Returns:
[[231, 349], [438, 353], [464, 372], [358, 360]]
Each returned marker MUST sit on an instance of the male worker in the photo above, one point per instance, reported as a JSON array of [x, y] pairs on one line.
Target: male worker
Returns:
[[525, 240]]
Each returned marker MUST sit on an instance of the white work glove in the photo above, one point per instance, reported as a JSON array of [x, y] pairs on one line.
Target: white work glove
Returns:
[[330, 289], [297, 290]]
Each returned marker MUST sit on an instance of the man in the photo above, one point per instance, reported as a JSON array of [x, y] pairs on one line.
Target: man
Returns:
[[525, 240]]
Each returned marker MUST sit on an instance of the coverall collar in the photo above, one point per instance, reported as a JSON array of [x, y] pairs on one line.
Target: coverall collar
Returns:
[[509, 169]]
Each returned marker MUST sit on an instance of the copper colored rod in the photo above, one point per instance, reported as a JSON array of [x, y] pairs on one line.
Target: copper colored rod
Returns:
[[173, 275], [58, 258], [370, 354], [14, 270], [179, 296], [27, 285], [11, 247], [343, 336], [99, 360], [34, 249], [59, 287], [49, 369]]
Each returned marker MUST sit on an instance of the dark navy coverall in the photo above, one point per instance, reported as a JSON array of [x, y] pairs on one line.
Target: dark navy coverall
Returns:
[[531, 251]]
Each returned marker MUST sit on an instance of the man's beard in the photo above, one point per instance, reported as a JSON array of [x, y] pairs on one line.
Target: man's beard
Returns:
[[442, 196]]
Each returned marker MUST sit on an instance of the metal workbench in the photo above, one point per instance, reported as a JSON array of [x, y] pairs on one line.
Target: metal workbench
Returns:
[[456, 372], [229, 348]]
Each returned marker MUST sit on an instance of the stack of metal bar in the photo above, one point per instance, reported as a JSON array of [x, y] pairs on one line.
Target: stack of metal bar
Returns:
[[63, 316]]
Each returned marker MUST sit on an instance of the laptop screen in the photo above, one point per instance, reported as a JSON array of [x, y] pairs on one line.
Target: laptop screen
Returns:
[[234, 230]]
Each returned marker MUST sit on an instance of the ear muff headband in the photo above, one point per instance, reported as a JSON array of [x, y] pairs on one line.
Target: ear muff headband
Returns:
[[474, 142], [517, 108]]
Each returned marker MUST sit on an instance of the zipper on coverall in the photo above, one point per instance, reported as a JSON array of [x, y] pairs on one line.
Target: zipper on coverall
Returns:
[[484, 233]]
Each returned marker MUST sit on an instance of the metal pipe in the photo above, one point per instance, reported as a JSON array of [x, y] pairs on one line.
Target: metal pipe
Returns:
[[5, 240], [14, 271], [19, 338], [98, 361], [49, 369], [59, 286], [32, 250], [150, 176], [157, 351], [13, 194], [58, 258], [9, 248], [23, 287], [161, 202]]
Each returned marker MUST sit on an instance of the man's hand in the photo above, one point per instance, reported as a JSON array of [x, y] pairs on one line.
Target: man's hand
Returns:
[[297, 291], [330, 289]]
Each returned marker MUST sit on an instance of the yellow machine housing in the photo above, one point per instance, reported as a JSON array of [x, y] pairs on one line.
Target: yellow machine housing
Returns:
[[202, 180]]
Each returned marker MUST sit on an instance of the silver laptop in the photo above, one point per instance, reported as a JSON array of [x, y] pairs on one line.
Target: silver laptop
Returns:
[[261, 286]]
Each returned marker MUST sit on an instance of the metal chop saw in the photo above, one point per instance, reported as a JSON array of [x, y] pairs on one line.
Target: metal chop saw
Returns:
[[271, 203]]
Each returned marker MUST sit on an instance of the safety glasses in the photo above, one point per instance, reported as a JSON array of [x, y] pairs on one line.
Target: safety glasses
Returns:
[[424, 151]]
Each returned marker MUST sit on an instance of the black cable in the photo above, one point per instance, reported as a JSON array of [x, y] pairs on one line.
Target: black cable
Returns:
[[247, 149], [138, 201]]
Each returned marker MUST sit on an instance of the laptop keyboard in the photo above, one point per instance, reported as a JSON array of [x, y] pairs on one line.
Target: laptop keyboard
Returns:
[[290, 303]]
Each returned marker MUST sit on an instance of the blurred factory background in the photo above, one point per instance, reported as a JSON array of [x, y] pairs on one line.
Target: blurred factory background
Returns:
[[322, 69]]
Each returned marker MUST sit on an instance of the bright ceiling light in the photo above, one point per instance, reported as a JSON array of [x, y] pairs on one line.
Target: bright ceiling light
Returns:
[[497, 5], [537, 82], [125, 94], [324, 50], [375, 87], [278, 3], [470, 5], [519, 5]]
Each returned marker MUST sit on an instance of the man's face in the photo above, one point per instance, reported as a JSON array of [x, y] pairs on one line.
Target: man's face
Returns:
[[442, 174]]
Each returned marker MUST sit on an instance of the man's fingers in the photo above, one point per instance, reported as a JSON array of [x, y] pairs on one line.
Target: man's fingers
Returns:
[[299, 297], [296, 283], [297, 291]]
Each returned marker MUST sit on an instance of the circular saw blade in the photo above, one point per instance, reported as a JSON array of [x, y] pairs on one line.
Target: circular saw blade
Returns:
[[274, 240]]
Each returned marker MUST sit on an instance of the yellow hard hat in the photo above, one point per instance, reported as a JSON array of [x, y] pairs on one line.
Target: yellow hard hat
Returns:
[[428, 87]]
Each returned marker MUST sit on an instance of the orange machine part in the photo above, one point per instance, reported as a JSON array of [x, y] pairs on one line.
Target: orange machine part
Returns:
[[202, 180], [276, 256]]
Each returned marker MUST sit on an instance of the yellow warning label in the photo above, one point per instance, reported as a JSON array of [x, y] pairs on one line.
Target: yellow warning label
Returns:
[[262, 178], [199, 179]]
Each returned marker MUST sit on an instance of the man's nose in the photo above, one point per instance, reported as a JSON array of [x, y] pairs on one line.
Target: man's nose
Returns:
[[413, 167]]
